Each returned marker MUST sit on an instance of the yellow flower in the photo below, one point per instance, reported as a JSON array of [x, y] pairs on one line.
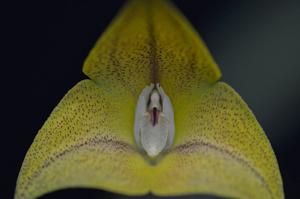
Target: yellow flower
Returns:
[[208, 141]]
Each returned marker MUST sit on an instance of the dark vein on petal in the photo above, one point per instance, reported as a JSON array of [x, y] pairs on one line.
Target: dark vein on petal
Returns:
[[103, 140], [152, 43], [192, 146]]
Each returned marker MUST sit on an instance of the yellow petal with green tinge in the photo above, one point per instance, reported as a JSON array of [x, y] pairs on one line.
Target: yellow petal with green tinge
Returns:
[[87, 141], [219, 148], [150, 42]]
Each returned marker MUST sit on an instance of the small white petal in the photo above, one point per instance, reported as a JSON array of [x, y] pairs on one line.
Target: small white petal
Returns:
[[154, 121]]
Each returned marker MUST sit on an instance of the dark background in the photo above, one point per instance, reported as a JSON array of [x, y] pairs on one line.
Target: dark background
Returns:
[[44, 44]]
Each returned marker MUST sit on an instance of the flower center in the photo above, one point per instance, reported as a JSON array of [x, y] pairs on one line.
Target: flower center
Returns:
[[154, 121]]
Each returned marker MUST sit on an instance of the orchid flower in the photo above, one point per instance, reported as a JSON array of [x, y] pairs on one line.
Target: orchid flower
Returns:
[[152, 118]]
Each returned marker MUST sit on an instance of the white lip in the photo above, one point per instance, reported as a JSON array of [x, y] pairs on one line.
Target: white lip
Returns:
[[149, 137]]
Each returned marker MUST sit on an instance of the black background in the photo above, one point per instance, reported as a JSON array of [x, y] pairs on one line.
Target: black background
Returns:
[[255, 43]]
